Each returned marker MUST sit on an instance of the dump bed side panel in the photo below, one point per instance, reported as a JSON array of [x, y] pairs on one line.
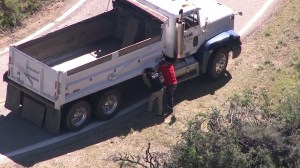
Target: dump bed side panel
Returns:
[[33, 74], [113, 68]]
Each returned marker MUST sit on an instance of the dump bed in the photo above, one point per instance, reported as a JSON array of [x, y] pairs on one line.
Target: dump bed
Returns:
[[90, 55]]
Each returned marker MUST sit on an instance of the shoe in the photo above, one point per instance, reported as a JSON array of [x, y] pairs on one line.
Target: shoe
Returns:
[[169, 110]]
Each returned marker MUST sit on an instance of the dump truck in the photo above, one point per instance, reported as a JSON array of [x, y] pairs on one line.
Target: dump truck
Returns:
[[61, 78]]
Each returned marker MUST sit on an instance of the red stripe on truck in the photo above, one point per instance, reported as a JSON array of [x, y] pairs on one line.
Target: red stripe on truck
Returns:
[[76, 90]]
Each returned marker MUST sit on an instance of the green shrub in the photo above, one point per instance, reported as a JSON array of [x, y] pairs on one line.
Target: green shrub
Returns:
[[10, 14], [244, 137], [289, 108], [13, 11]]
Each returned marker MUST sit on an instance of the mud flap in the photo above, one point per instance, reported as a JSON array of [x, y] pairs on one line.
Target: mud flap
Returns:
[[13, 97], [52, 120], [41, 115], [32, 107], [33, 111]]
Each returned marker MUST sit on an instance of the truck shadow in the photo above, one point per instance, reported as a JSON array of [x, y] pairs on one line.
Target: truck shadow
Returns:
[[199, 87], [117, 127]]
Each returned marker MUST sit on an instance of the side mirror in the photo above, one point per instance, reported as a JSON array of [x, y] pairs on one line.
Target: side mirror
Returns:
[[239, 13]]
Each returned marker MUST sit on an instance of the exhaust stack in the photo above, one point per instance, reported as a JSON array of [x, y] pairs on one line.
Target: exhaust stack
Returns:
[[180, 32]]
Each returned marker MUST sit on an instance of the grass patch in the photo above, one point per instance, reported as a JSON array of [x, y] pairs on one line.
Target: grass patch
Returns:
[[283, 82], [267, 33], [281, 53], [295, 59]]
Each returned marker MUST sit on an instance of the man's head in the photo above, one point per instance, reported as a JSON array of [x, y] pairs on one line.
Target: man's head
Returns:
[[170, 60], [150, 69]]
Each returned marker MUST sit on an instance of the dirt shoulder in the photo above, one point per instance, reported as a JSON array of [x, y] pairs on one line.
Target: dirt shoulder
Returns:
[[265, 55], [51, 10]]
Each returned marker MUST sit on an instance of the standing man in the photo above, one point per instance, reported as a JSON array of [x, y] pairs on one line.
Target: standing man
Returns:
[[151, 79], [166, 67]]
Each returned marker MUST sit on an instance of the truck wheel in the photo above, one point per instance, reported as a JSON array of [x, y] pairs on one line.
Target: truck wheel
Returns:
[[106, 105], [77, 116], [218, 63]]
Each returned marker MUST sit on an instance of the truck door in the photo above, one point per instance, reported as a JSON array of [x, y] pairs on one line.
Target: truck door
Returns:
[[194, 35]]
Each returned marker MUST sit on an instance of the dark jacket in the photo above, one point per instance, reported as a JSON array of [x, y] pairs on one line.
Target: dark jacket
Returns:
[[155, 83]]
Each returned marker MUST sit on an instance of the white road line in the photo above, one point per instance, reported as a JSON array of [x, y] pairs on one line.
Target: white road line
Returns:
[[6, 157], [48, 26], [255, 18], [76, 6], [4, 51], [2, 102]]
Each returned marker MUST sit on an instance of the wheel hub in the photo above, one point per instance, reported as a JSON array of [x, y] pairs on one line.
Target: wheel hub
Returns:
[[79, 116], [221, 64], [110, 104]]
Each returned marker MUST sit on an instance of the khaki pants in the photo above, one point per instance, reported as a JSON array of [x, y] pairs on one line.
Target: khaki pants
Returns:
[[158, 95]]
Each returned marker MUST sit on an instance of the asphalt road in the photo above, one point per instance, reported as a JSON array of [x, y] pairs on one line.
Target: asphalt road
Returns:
[[18, 135]]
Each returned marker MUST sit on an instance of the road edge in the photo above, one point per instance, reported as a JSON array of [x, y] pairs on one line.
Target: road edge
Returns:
[[265, 12]]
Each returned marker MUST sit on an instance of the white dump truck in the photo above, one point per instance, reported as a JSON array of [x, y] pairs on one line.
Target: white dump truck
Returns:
[[64, 76]]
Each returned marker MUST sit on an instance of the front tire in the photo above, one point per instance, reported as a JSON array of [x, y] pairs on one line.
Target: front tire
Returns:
[[77, 116], [106, 105], [218, 63]]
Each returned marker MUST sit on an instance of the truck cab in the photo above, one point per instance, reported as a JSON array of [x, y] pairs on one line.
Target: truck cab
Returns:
[[205, 34]]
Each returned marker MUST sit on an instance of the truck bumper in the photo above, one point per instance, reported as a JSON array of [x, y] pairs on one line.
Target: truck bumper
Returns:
[[235, 43], [32, 106]]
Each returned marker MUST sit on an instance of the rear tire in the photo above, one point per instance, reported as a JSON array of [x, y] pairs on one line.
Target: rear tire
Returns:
[[77, 116], [218, 63], [106, 105]]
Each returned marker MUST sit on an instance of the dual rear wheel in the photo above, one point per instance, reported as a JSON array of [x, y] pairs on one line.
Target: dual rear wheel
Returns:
[[104, 106]]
